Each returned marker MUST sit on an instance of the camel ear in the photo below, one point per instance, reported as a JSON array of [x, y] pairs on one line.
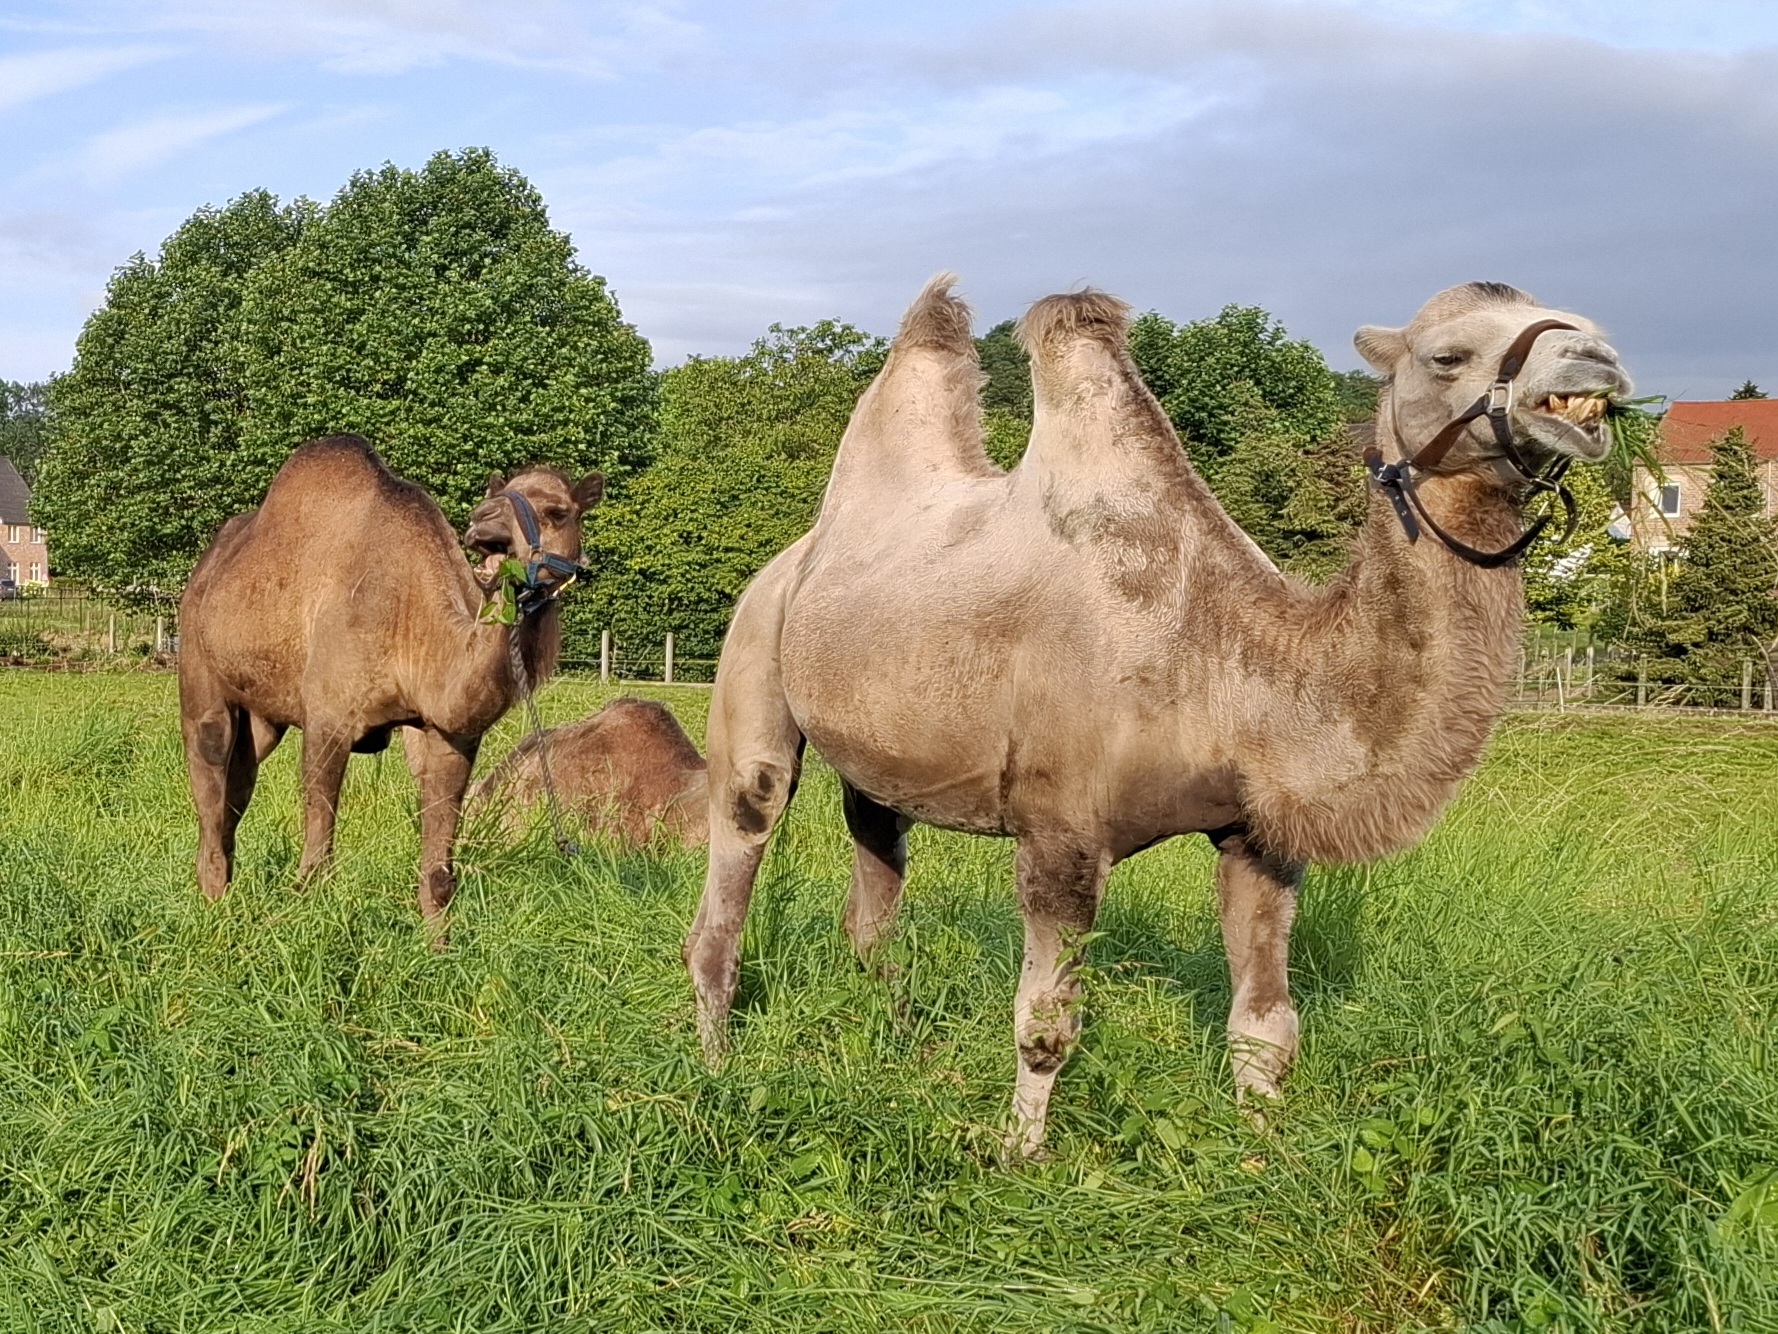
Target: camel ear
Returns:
[[1383, 348], [496, 484], [589, 490]]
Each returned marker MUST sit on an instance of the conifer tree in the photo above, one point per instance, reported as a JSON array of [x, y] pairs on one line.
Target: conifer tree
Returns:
[[1720, 602]]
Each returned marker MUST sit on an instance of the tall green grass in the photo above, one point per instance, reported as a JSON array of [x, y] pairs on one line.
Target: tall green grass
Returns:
[[1538, 1087]]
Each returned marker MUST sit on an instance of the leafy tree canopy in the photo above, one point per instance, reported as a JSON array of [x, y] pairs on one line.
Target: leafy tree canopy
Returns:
[[22, 409], [1218, 378], [433, 311], [745, 447]]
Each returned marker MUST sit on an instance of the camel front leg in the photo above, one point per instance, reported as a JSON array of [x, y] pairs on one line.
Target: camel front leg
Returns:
[[1059, 888], [1258, 895], [879, 866], [213, 753], [441, 767], [325, 753], [756, 754]]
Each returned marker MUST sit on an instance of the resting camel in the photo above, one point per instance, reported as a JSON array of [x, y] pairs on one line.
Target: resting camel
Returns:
[[630, 769], [343, 606], [1085, 654]]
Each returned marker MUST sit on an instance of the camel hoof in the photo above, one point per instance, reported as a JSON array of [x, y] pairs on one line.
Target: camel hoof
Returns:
[[438, 934], [713, 1039], [1024, 1144]]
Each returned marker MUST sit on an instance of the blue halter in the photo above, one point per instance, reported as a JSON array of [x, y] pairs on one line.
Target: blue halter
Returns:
[[534, 594]]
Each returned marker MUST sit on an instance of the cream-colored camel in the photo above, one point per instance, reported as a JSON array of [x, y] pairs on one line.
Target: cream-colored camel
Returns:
[[1087, 655]]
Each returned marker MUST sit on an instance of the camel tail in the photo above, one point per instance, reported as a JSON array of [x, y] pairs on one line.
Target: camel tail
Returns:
[[1070, 315], [938, 319]]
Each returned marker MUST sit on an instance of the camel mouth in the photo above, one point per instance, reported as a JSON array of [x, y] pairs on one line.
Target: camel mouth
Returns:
[[1584, 410]]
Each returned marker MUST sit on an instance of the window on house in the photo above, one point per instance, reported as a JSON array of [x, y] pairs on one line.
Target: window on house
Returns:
[[37, 536], [12, 570], [36, 573], [12, 533], [1670, 499]]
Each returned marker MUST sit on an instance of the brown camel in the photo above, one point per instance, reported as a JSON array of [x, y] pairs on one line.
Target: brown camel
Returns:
[[630, 769], [1087, 655], [343, 606]]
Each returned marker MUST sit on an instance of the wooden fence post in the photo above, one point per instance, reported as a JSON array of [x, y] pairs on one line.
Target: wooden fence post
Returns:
[[1641, 684], [604, 657], [1589, 669], [1747, 683], [111, 634], [667, 665], [160, 634]]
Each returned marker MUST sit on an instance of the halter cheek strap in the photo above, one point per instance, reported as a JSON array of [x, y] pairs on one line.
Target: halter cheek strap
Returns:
[[1396, 480], [534, 594]]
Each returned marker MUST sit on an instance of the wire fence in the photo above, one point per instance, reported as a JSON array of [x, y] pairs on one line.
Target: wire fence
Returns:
[[65, 624]]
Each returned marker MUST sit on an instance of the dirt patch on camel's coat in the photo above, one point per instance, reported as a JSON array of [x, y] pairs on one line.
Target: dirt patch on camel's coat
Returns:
[[628, 770]]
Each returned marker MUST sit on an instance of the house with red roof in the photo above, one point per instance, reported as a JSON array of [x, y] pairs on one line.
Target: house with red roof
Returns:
[[1665, 505]]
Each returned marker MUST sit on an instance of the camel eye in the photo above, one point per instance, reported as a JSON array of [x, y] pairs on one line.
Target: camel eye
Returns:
[[555, 515], [1449, 360]]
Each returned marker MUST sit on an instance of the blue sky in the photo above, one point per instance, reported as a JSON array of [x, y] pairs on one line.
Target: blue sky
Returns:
[[727, 166]]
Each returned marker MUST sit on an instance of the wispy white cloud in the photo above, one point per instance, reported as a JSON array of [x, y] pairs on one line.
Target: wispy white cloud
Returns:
[[390, 36], [132, 148], [38, 74], [748, 167]]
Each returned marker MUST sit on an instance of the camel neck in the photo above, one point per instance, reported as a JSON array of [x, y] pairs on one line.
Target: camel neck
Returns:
[[1391, 679]]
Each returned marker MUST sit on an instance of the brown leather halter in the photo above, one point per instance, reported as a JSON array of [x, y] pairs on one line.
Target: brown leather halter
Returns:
[[1396, 480]]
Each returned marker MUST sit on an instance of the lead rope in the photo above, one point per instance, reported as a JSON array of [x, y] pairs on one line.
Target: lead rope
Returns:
[[565, 845]]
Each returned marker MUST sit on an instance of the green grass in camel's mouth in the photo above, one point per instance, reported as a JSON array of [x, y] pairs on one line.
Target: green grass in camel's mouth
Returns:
[[1538, 1086]]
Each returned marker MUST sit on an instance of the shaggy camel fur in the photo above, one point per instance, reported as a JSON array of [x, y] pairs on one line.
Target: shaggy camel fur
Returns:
[[629, 770], [1087, 655], [343, 606]]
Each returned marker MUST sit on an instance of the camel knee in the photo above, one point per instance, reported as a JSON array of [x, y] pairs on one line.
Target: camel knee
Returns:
[[212, 739], [755, 797], [1047, 1032]]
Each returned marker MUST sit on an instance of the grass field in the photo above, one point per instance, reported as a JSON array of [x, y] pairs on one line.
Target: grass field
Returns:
[[1538, 1088]]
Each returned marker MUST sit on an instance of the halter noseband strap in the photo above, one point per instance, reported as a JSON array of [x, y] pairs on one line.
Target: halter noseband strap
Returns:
[[1396, 480], [533, 595]]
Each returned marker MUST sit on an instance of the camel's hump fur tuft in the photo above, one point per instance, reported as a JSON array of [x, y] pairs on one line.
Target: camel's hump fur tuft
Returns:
[[1067, 315], [938, 318]]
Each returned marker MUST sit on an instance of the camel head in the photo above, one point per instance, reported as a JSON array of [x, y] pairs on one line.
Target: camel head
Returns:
[[1449, 355], [497, 526]]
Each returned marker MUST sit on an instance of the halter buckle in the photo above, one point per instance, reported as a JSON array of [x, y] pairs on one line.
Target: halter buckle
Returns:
[[1500, 398]]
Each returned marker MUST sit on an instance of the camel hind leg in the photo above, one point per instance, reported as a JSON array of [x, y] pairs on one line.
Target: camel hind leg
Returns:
[[879, 866], [1257, 895]]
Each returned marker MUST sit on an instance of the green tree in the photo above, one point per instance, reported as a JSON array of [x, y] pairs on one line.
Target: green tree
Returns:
[[1008, 371], [1720, 600], [1220, 379], [1299, 499], [1358, 392], [23, 408], [1573, 585], [745, 447], [145, 456], [1747, 390], [435, 312]]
